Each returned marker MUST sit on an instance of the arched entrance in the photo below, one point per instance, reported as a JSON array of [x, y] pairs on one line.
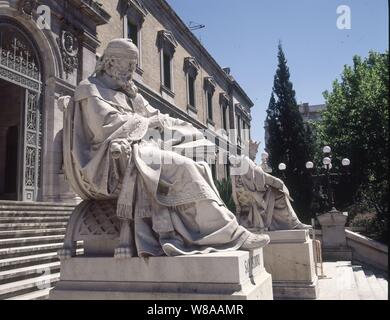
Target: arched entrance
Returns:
[[20, 115]]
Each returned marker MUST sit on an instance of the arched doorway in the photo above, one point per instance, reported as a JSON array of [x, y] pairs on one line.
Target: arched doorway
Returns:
[[20, 115]]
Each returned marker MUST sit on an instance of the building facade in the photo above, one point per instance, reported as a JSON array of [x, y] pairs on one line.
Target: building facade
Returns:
[[48, 47]]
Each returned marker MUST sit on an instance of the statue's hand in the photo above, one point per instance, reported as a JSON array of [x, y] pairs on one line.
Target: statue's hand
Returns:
[[156, 122]]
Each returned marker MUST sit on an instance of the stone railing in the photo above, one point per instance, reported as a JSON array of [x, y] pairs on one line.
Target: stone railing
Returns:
[[365, 250], [368, 251]]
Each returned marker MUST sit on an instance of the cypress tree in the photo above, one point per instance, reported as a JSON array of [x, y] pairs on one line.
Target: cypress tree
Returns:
[[289, 140]]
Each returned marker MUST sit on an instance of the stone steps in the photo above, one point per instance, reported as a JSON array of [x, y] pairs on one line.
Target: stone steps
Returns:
[[34, 295], [6, 234], [26, 213], [30, 236], [379, 292], [19, 273], [33, 219], [11, 289], [345, 281], [19, 242], [28, 250], [33, 225]]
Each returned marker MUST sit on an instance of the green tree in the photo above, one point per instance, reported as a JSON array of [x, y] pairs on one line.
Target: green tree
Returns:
[[356, 124], [290, 139]]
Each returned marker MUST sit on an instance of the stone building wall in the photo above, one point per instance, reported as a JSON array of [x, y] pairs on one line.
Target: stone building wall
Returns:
[[158, 15]]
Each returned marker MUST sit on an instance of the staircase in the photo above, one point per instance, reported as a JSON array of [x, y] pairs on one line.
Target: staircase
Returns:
[[346, 281], [30, 236]]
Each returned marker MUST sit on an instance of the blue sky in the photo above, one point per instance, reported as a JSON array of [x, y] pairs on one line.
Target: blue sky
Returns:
[[244, 34]]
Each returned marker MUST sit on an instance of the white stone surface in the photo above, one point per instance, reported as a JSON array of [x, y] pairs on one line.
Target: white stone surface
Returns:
[[333, 229], [223, 275], [290, 260]]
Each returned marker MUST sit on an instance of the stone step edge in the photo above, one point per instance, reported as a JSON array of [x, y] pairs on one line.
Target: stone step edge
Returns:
[[363, 287], [35, 295], [33, 248], [13, 232], [11, 287], [13, 273], [22, 240]]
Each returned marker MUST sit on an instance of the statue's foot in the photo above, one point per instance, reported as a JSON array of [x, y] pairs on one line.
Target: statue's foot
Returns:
[[302, 226], [123, 253], [255, 241]]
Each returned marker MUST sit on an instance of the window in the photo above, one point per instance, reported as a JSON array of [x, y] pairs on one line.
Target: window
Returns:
[[167, 71], [209, 87], [224, 102], [133, 21], [167, 45], [224, 118], [209, 105], [132, 32], [191, 68], [238, 127], [191, 91]]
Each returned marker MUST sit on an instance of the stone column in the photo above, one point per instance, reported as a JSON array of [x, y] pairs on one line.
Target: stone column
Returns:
[[334, 241]]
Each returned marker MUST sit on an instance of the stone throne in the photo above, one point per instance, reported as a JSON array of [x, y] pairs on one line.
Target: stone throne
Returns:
[[94, 221]]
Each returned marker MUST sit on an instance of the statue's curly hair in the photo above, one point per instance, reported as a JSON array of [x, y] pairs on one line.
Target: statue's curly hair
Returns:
[[107, 65]]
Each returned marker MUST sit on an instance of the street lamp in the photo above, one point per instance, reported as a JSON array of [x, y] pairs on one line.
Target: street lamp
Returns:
[[282, 166], [327, 165]]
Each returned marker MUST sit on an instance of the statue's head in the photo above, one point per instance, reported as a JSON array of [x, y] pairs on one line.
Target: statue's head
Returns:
[[119, 61], [253, 149]]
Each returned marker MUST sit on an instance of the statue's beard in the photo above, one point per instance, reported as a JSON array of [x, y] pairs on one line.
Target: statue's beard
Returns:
[[125, 82]]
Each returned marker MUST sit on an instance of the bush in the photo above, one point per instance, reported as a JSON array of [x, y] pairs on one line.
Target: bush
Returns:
[[225, 191]]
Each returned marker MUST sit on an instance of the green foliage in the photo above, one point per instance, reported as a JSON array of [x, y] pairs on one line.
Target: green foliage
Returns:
[[356, 125], [225, 191], [290, 139]]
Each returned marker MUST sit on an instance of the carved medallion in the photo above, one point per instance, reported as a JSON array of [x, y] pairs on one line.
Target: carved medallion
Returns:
[[69, 45], [27, 7]]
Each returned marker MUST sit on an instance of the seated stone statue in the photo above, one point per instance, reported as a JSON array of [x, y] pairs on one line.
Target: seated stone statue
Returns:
[[168, 203], [262, 201]]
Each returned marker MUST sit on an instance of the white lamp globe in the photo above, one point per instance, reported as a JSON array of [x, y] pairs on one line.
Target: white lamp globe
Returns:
[[326, 161], [282, 166], [346, 162], [309, 165], [327, 149]]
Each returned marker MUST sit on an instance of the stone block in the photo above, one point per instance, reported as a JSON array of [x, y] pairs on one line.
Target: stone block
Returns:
[[234, 275], [289, 258]]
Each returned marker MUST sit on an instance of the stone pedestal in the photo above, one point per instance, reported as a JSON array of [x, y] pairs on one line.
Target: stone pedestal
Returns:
[[238, 275], [334, 241], [289, 258]]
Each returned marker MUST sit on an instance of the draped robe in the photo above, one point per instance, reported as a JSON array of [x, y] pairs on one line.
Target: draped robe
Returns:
[[172, 199], [262, 205]]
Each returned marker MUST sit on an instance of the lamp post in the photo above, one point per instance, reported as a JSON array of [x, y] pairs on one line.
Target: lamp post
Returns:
[[328, 175], [334, 243]]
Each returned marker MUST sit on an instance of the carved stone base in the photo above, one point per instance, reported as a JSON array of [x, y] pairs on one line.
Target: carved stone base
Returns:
[[238, 275], [290, 260]]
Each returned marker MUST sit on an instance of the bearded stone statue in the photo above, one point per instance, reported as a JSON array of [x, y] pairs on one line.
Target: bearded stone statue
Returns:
[[262, 201], [113, 151]]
